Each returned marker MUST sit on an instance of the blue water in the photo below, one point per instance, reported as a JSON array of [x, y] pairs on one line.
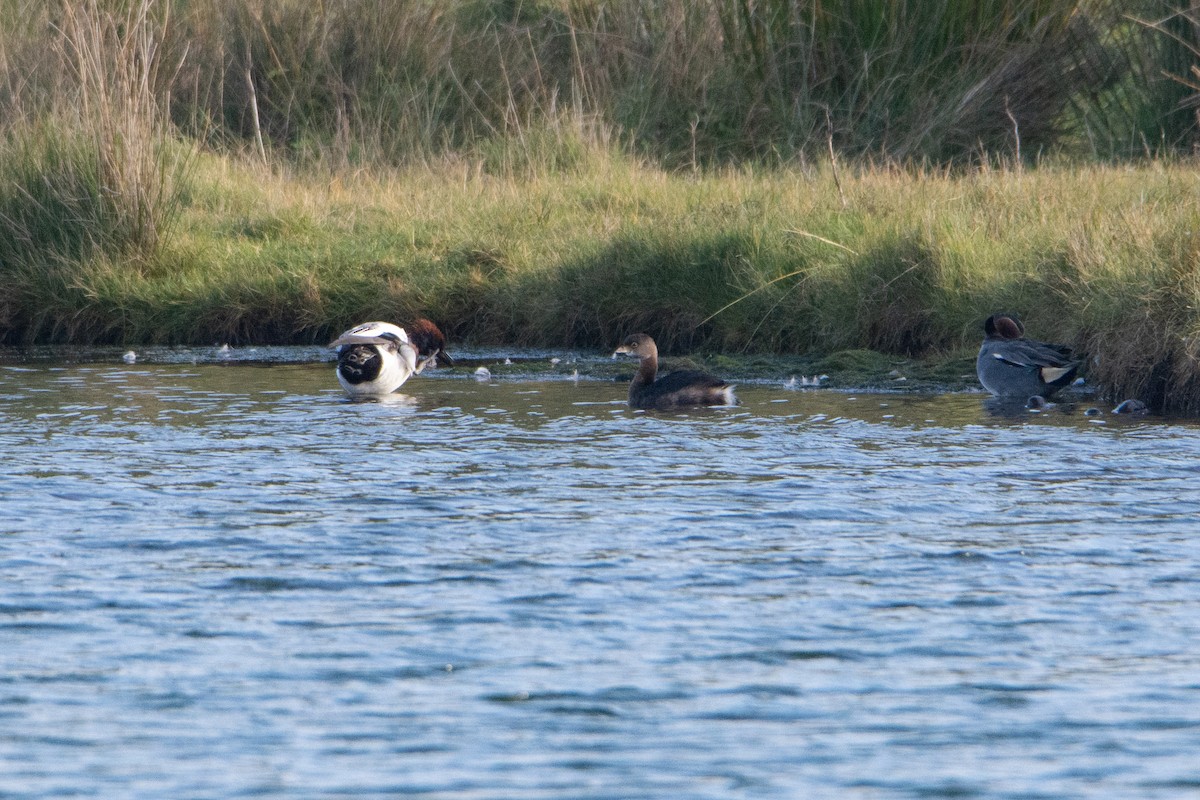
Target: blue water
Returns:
[[223, 580]]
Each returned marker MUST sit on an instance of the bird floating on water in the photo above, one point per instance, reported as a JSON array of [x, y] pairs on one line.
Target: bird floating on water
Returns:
[[1009, 365], [376, 358], [678, 388]]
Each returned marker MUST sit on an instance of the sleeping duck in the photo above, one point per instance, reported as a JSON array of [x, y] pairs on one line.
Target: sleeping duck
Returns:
[[679, 388], [376, 358], [1009, 365]]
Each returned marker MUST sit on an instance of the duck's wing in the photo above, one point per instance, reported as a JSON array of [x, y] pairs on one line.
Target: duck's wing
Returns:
[[1029, 353], [384, 333]]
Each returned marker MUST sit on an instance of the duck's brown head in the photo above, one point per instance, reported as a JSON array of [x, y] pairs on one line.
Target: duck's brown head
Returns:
[[429, 341], [1003, 326]]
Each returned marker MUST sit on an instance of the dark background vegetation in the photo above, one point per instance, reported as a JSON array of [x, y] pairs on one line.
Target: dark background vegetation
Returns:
[[685, 82]]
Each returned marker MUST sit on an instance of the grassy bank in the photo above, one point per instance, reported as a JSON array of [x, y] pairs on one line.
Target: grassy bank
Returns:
[[781, 261]]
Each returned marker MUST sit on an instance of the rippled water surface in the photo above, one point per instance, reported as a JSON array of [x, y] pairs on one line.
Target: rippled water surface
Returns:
[[225, 580]]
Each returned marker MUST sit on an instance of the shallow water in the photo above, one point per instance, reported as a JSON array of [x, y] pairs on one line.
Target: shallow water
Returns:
[[224, 580]]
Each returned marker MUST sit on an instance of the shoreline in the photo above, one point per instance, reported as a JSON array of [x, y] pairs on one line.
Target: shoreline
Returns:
[[854, 371], [770, 262]]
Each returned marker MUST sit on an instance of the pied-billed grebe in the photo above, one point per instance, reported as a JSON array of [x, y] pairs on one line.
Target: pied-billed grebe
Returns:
[[679, 388], [1009, 365], [376, 358]]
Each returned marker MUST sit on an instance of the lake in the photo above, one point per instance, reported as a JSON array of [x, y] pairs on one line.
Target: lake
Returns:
[[222, 579]]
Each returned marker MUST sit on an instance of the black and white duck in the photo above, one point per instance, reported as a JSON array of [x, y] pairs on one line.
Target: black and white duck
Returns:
[[376, 358]]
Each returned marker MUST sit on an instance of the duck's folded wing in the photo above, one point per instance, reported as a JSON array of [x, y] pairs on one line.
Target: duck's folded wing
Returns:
[[1034, 354]]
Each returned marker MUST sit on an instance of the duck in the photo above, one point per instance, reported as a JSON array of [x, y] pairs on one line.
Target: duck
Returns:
[[1009, 365], [376, 358], [678, 388]]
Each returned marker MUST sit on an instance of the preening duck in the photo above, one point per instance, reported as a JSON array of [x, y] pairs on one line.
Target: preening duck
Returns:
[[376, 358], [678, 388], [1009, 365]]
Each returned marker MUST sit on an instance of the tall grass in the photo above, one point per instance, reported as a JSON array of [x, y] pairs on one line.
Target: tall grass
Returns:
[[353, 83], [687, 82], [520, 84], [89, 171], [91, 167], [1141, 97]]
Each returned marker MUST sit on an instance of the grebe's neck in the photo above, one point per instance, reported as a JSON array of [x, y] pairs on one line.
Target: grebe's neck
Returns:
[[647, 368]]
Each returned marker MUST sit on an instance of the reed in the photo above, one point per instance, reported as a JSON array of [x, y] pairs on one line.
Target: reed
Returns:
[[351, 83], [90, 168]]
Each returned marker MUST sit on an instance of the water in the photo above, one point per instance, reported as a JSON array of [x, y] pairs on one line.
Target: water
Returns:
[[224, 580]]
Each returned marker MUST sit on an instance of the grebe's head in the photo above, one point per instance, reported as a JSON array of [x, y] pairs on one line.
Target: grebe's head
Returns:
[[637, 344]]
